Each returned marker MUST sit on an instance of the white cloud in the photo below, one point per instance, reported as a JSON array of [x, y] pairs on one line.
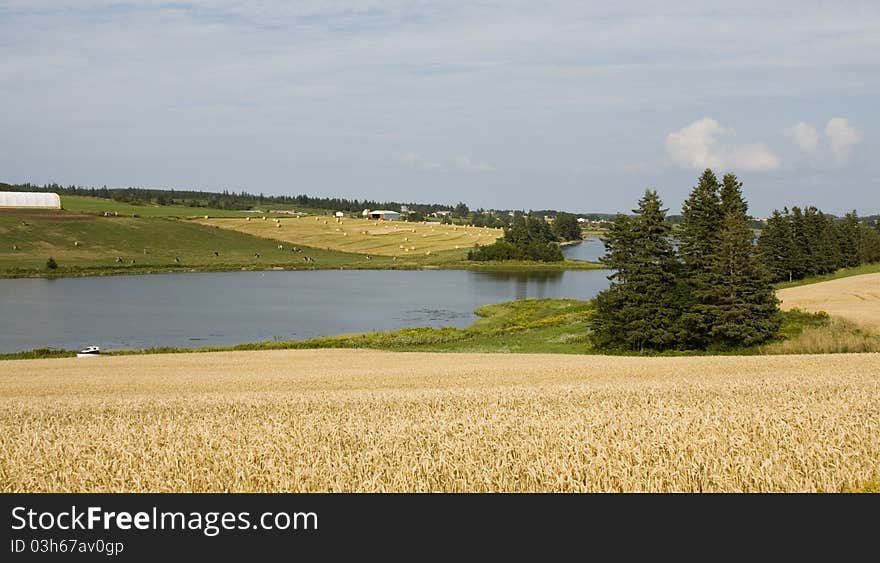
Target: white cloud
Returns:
[[842, 137], [415, 160], [697, 146], [754, 156], [465, 163], [806, 136]]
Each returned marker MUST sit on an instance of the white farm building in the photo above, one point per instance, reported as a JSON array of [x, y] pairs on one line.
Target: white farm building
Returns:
[[383, 214], [16, 200]]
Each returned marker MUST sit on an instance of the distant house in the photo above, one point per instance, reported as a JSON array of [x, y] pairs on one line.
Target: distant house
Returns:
[[339, 214], [24, 200], [440, 213], [384, 215]]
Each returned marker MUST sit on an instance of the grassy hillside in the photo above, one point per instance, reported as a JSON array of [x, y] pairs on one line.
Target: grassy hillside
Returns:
[[392, 238], [149, 242], [95, 205]]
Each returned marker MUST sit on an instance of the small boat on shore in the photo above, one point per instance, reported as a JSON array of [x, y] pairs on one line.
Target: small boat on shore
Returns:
[[89, 352]]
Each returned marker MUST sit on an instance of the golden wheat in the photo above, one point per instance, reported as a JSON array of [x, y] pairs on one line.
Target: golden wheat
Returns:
[[856, 298], [354, 420]]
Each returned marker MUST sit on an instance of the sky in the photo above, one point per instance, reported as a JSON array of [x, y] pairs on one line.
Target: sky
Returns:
[[569, 105]]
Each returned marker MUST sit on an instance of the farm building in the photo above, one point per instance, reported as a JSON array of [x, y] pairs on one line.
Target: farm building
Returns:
[[29, 199], [339, 214], [384, 214]]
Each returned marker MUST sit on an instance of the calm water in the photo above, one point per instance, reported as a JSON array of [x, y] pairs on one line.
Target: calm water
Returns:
[[214, 309], [591, 250]]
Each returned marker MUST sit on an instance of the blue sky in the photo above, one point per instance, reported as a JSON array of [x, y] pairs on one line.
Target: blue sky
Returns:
[[526, 105]]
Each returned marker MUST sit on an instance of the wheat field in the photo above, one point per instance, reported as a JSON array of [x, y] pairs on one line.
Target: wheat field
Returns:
[[362, 236], [856, 298], [356, 420]]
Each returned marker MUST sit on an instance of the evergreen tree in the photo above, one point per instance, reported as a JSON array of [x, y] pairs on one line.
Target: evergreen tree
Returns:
[[528, 238], [776, 248], [825, 252], [566, 227], [801, 256], [702, 215], [639, 311], [848, 240], [731, 198], [743, 304], [869, 244]]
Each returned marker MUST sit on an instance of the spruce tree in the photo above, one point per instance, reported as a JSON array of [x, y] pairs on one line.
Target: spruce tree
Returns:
[[801, 257], [702, 215], [848, 239], [776, 248], [640, 310], [825, 252], [869, 244], [743, 305]]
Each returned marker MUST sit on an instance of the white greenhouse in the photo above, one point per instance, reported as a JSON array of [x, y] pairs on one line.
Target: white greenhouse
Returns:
[[30, 199]]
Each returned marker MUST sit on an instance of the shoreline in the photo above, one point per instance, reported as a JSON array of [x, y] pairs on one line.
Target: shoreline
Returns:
[[574, 265]]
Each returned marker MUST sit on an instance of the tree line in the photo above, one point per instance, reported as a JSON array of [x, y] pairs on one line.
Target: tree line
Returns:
[[798, 243], [223, 200]]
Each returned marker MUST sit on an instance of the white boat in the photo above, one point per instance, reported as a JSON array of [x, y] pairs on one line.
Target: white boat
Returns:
[[89, 352]]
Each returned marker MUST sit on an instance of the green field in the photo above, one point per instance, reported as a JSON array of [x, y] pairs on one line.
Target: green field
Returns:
[[144, 243], [96, 205], [145, 238], [86, 244]]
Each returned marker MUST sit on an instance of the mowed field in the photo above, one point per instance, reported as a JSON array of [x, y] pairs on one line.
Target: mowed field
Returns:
[[383, 238], [331, 420], [855, 298], [28, 239]]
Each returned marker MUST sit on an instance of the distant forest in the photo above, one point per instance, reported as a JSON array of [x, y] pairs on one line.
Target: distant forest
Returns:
[[245, 201]]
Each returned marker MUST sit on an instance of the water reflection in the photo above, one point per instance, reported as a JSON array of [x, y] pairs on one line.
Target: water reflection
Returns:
[[590, 250], [217, 309], [537, 284]]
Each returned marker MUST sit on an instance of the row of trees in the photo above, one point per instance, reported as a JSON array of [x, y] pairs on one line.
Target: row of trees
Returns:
[[709, 290], [799, 243], [223, 200]]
